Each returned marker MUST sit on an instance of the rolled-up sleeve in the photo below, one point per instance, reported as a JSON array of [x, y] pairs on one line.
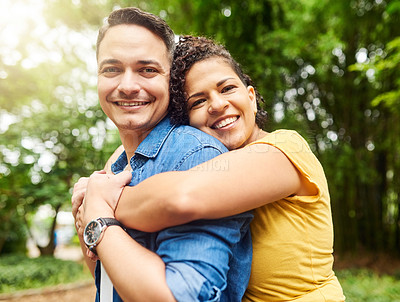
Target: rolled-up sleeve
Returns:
[[187, 284], [198, 255]]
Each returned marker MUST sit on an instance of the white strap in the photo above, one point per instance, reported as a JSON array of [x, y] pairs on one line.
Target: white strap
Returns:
[[106, 287]]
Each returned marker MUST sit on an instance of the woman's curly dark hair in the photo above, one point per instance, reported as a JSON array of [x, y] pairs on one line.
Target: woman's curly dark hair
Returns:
[[189, 51]]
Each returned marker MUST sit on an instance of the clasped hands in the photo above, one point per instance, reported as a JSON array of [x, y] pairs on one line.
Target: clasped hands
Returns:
[[96, 196]]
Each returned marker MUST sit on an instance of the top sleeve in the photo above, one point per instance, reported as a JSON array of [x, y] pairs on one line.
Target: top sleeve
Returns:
[[296, 149]]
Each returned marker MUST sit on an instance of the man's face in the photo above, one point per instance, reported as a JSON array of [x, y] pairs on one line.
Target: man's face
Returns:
[[133, 78]]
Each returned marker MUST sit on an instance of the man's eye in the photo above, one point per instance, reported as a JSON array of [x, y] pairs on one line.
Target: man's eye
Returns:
[[110, 70], [149, 70]]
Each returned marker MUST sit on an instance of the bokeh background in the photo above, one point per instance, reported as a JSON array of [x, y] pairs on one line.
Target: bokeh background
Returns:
[[328, 69]]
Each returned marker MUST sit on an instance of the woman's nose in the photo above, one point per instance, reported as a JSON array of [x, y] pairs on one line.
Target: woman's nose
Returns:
[[217, 104]]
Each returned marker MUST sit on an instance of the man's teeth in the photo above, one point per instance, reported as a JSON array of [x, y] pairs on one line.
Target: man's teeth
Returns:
[[225, 122], [131, 104]]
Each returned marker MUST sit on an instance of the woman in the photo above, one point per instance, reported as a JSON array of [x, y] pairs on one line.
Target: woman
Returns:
[[274, 173]]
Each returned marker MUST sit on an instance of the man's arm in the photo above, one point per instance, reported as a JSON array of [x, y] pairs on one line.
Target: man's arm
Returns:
[[76, 201], [135, 271], [197, 255], [77, 198]]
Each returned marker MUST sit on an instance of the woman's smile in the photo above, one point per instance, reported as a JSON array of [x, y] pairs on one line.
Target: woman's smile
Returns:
[[220, 104]]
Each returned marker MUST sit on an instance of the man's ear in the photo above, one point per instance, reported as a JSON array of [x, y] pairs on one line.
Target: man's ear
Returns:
[[252, 96]]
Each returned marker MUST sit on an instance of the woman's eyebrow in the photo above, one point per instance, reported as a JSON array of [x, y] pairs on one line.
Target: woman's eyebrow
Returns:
[[223, 81], [194, 95], [202, 93]]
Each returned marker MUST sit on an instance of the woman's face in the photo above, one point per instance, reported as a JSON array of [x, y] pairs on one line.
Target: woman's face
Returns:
[[220, 104]]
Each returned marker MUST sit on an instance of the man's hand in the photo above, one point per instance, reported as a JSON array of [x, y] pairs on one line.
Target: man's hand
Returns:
[[101, 197], [94, 195], [78, 194]]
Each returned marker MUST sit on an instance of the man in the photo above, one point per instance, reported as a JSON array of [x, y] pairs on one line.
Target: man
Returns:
[[185, 263]]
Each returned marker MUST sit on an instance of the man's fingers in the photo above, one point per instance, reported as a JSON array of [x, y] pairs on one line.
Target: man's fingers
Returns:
[[76, 200], [91, 255], [124, 177], [100, 172]]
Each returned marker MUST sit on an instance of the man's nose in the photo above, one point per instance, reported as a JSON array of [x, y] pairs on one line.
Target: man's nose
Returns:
[[129, 83]]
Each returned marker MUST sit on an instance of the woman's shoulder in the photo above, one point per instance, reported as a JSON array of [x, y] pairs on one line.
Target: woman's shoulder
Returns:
[[285, 138]]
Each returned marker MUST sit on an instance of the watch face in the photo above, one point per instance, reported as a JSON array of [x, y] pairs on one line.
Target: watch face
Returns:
[[92, 232]]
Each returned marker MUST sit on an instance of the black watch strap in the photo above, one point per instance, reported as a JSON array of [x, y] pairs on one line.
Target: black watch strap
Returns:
[[111, 221]]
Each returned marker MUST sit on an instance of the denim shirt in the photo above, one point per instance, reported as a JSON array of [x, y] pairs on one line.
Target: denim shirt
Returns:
[[206, 260]]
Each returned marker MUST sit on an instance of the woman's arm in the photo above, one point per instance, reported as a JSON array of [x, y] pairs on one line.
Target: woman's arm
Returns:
[[231, 183]]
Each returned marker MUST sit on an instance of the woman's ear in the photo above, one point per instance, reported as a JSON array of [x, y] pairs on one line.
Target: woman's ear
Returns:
[[252, 97]]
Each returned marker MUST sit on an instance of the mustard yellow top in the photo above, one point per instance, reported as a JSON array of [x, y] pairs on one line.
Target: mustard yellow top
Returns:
[[293, 237]]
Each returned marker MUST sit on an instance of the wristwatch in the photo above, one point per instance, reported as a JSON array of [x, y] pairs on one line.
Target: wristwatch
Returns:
[[94, 231]]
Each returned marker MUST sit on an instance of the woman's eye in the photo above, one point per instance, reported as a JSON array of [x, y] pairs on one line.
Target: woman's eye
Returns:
[[227, 88], [197, 103]]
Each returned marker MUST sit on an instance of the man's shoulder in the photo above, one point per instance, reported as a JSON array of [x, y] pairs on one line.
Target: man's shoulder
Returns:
[[190, 135]]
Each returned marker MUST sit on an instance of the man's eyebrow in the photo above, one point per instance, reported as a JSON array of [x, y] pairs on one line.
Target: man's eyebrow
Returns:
[[149, 62], [109, 61], [162, 69], [140, 62]]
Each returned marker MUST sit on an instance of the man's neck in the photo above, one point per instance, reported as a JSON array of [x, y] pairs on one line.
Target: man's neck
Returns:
[[131, 142]]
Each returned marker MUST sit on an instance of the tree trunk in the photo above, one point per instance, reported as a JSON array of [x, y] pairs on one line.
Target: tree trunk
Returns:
[[49, 249]]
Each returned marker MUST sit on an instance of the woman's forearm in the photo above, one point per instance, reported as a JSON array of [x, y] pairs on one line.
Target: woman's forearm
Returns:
[[248, 179], [157, 198]]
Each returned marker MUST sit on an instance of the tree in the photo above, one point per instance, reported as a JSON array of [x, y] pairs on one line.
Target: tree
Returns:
[[327, 69], [59, 132], [301, 54]]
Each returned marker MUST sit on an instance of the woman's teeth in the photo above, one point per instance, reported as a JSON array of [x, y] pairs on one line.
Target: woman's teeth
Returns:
[[225, 122]]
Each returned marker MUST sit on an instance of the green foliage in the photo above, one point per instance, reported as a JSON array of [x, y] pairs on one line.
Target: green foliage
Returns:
[[59, 132], [301, 55], [362, 285], [19, 272], [328, 69]]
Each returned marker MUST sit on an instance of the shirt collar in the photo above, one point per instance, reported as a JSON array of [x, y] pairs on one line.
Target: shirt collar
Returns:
[[150, 146], [153, 142]]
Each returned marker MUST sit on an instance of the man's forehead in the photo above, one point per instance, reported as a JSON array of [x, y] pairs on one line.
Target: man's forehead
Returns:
[[133, 33], [138, 39]]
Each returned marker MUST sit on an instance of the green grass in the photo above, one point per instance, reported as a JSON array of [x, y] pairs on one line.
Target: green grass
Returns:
[[18, 272], [362, 285]]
